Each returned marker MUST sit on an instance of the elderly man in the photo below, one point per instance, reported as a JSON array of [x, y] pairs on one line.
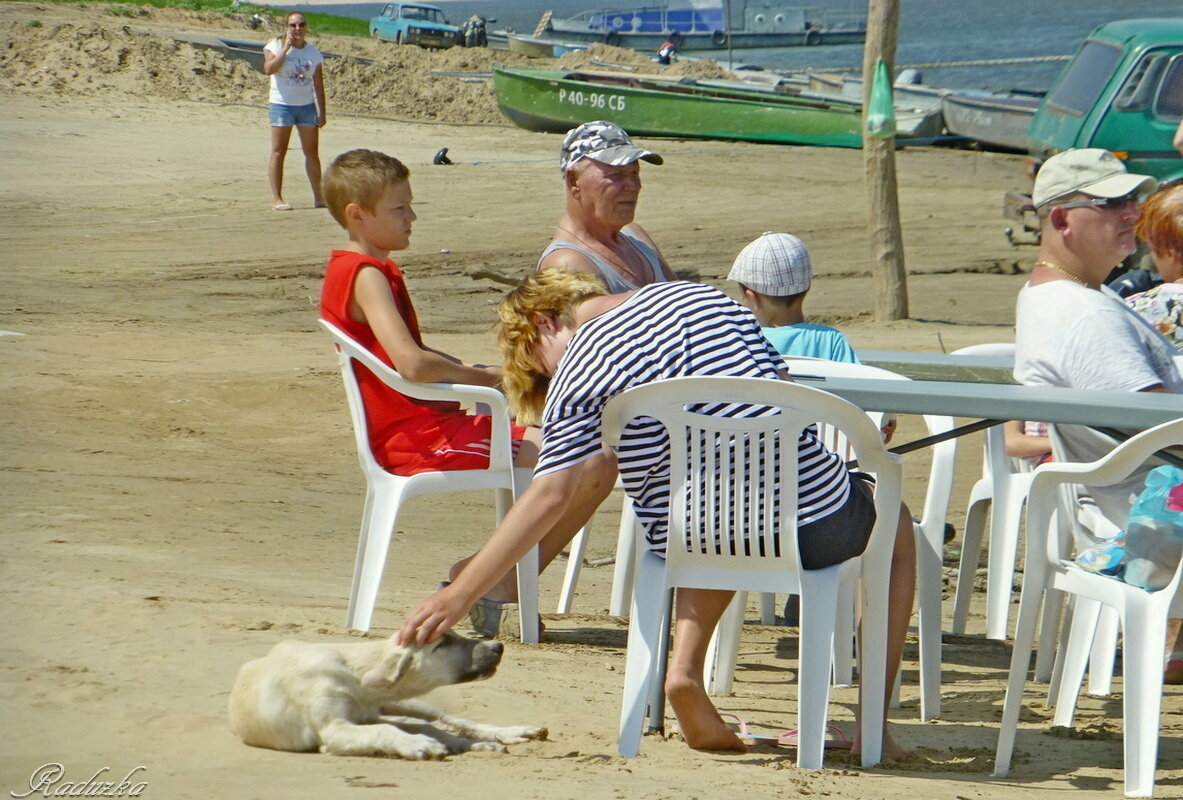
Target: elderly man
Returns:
[[597, 235], [1072, 331]]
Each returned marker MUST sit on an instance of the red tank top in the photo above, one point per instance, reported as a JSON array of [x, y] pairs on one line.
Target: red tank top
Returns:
[[387, 412]]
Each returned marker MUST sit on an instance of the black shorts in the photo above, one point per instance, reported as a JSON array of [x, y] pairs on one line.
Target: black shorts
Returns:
[[842, 535]]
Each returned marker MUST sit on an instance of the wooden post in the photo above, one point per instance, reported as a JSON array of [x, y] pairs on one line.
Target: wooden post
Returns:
[[883, 208]]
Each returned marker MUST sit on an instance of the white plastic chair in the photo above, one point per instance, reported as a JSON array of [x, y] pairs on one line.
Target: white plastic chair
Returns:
[[930, 543], [1081, 521], [1001, 491], [386, 492], [1143, 615], [718, 489]]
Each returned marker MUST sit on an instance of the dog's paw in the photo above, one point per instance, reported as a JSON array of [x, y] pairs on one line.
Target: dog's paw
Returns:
[[421, 748], [520, 733], [488, 747]]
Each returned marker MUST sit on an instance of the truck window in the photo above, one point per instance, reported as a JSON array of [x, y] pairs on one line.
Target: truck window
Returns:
[[1085, 77], [1169, 103]]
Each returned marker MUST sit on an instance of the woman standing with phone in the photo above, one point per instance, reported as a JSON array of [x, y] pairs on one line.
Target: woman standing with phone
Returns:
[[297, 99]]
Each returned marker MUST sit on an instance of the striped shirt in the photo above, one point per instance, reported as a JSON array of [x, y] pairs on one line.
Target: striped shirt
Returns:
[[668, 330]]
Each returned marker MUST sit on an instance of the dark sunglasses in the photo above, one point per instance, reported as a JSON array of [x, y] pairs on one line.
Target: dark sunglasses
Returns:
[[297, 24], [1107, 203]]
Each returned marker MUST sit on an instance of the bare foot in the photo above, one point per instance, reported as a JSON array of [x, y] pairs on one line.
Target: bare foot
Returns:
[[892, 750], [702, 727]]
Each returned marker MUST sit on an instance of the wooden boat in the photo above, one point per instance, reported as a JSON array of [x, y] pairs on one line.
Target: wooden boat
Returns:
[[708, 25], [556, 101], [995, 120]]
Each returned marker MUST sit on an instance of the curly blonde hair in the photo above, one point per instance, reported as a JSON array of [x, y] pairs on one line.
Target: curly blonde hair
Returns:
[[554, 292]]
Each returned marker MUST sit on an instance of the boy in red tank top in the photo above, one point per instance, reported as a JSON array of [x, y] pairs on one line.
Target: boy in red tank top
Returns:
[[365, 295]]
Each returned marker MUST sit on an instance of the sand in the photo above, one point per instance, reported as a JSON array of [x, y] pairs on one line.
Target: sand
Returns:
[[180, 483]]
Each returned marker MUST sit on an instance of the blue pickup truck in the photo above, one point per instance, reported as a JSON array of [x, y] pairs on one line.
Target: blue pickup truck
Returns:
[[414, 23]]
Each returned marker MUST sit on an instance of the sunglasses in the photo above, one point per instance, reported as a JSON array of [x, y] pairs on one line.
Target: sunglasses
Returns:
[[1107, 203], [297, 24]]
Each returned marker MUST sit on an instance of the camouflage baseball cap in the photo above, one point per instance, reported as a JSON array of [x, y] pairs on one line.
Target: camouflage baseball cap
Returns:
[[604, 142]]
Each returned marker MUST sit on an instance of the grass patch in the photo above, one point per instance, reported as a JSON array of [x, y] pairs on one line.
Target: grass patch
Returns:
[[317, 23]]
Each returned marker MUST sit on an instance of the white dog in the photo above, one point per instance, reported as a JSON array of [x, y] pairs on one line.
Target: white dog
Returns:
[[356, 699]]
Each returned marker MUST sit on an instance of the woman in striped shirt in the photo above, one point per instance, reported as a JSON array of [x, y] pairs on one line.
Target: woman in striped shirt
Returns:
[[569, 348]]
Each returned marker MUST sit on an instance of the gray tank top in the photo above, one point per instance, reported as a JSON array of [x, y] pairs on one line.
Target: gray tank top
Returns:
[[616, 282]]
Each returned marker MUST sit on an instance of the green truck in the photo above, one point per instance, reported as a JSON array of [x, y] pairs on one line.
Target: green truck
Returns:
[[1122, 91]]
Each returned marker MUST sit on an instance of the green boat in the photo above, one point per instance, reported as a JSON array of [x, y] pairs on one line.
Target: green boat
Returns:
[[556, 101]]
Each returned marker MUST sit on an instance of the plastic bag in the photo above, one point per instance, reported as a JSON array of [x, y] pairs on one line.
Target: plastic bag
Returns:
[[880, 112], [1154, 533]]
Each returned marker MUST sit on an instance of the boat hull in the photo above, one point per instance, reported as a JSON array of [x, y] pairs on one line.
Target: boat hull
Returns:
[[707, 40], [995, 121], [530, 46], [556, 101]]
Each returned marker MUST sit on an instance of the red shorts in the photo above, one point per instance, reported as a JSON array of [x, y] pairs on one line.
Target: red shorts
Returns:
[[439, 443]]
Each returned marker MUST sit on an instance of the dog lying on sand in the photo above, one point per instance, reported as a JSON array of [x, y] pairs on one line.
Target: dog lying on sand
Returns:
[[357, 699]]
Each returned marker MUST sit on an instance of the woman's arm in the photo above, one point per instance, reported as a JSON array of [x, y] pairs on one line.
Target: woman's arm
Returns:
[[318, 85], [272, 62], [373, 304], [529, 519]]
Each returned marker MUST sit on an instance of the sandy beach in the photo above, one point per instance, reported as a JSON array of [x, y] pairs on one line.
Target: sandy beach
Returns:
[[181, 488]]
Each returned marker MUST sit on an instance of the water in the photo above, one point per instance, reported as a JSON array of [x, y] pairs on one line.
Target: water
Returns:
[[929, 31]]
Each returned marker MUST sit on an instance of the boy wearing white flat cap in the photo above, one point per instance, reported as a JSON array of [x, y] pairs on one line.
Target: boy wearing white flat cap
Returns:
[[774, 274]]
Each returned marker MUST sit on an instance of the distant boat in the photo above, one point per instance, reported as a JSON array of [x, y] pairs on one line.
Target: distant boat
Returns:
[[556, 101], [995, 120], [530, 46], [705, 25]]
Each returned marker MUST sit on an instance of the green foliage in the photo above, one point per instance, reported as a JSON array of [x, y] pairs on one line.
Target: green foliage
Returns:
[[317, 23]]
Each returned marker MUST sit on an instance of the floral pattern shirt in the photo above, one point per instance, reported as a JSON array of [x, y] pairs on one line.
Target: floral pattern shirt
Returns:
[[1162, 307]]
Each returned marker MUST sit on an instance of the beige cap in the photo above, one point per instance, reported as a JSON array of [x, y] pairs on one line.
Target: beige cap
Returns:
[[1092, 171]]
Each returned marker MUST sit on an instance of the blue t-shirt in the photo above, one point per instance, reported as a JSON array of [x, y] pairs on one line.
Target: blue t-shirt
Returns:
[[811, 341]]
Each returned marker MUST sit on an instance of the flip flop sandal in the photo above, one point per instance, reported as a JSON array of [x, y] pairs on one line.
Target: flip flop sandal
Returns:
[[749, 737], [835, 739], [282, 207]]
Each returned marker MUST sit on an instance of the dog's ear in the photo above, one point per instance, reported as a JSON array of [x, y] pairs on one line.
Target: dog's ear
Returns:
[[377, 678]]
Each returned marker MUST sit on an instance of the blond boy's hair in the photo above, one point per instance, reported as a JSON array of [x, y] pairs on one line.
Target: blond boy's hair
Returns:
[[554, 292], [360, 176]]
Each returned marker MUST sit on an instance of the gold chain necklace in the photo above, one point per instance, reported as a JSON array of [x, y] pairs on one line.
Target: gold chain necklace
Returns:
[[612, 257], [1062, 271]]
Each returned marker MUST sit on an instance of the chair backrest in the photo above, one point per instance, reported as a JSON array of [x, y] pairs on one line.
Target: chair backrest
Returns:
[[944, 454], [725, 517], [1044, 501], [995, 462], [350, 353]]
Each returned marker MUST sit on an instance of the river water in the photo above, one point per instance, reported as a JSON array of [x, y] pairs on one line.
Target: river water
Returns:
[[930, 32]]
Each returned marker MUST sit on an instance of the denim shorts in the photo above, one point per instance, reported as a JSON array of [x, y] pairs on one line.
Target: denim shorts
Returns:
[[286, 116]]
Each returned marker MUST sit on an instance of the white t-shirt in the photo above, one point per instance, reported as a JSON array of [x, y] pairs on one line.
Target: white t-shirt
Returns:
[[1072, 336], [292, 85]]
